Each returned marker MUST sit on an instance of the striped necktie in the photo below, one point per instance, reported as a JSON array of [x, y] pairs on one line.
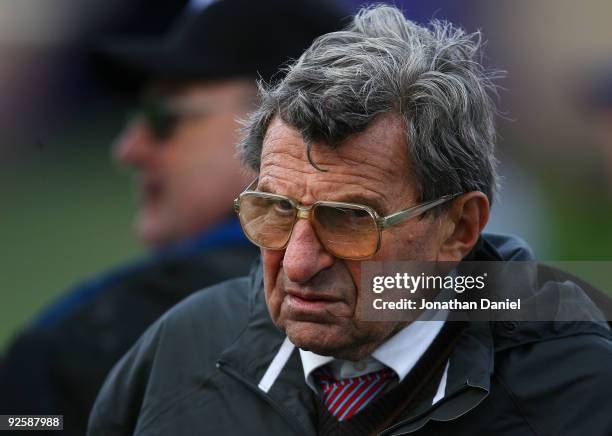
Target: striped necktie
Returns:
[[343, 398]]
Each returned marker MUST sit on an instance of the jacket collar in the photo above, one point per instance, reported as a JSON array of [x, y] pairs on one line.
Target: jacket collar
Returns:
[[250, 356], [468, 377], [468, 381]]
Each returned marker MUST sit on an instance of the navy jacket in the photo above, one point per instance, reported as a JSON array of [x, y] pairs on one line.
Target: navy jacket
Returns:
[[58, 363]]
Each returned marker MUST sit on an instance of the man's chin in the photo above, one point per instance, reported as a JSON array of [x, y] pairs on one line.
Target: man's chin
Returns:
[[151, 228], [323, 339]]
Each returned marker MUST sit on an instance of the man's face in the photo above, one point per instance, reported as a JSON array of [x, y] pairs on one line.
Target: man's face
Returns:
[[186, 181], [311, 295]]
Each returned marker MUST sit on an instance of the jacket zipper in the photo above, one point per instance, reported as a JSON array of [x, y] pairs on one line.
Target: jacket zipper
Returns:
[[234, 374]]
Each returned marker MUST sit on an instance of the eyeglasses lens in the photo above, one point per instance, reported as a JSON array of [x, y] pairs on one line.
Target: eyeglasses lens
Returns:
[[348, 232], [267, 221], [160, 119]]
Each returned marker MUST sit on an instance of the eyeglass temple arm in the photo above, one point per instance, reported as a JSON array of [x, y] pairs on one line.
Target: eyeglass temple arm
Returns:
[[251, 185], [248, 188], [417, 210]]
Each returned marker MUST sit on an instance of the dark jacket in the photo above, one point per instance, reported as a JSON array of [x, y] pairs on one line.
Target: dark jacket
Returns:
[[197, 369], [58, 364]]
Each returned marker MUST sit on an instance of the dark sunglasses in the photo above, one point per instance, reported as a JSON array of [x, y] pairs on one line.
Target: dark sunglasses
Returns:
[[163, 113], [159, 117]]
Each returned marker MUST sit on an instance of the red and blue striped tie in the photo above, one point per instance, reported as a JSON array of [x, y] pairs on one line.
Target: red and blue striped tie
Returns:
[[343, 398]]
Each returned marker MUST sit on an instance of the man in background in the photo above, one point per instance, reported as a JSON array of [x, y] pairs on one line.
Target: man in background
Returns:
[[195, 84]]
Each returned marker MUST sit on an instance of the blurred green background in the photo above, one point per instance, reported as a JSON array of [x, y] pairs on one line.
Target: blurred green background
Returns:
[[66, 215]]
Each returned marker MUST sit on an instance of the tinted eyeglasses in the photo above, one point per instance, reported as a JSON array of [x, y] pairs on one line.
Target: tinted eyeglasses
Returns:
[[159, 116], [346, 230], [163, 113]]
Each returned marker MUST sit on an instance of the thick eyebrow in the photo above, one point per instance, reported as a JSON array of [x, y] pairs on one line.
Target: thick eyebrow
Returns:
[[270, 189], [365, 200], [357, 198], [263, 187]]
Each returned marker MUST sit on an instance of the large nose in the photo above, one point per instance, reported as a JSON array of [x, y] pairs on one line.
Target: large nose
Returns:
[[304, 255], [135, 144]]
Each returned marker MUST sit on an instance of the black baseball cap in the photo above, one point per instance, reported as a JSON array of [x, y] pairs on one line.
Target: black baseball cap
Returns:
[[225, 39]]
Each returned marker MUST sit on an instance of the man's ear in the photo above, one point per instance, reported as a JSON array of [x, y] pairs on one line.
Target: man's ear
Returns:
[[464, 221]]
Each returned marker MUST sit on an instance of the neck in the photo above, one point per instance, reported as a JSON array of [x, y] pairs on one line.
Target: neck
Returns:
[[358, 352]]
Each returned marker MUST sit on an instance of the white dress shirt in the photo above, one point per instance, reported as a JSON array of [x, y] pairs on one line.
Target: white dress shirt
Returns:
[[400, 353]]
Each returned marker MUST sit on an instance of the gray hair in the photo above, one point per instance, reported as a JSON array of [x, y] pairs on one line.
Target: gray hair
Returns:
[[385, 63]]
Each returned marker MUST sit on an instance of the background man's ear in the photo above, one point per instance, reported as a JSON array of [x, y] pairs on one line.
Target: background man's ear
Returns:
[[465, 219]]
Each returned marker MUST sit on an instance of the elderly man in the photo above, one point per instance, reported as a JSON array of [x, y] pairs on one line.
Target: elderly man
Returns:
[[377, 145], [197, 82]]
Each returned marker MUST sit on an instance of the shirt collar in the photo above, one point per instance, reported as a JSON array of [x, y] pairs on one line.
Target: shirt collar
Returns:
[[310, 362], [401, 352], [404, 349]]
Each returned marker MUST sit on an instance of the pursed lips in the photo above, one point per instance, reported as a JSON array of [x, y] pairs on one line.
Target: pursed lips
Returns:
[[309, 301], [150, 189], [312, 295]]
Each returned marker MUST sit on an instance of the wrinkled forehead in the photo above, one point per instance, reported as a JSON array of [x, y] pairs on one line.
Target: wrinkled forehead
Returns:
[[373, 163]]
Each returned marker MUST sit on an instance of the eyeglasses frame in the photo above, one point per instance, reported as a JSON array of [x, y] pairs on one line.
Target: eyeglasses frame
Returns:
[[305, 212]]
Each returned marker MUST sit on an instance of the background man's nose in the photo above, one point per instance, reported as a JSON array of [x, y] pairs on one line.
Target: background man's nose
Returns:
[[304, 255], [134, 145]]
